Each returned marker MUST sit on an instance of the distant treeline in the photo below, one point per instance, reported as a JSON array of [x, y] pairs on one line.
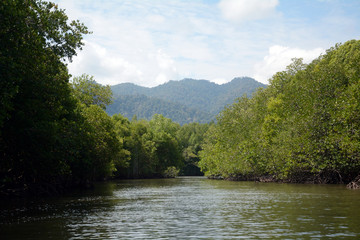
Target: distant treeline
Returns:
[[158, 148], [304, 127]]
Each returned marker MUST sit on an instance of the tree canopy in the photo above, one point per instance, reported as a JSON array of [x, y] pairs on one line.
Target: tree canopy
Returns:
[[47, 137], [156, 147], [303, 127]]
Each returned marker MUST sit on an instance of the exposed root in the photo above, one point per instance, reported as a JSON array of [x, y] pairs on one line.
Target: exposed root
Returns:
[[354, 184]]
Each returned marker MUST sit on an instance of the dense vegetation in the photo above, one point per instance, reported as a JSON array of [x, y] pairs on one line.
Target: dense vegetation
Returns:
[[183, 101], [54, 133], [42, 128], [159, 147], [145, 107], [305, 126]]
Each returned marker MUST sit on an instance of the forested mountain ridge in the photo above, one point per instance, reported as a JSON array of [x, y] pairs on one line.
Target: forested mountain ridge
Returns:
[[145, 107], [128, 89], [193, 100]]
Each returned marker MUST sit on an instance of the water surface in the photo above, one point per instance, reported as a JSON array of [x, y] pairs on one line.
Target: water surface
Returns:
[[188, 208]]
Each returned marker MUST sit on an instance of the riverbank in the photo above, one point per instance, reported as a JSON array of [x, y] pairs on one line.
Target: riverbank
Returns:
[[56, 189], [300, 178], [354, 184], [59, 188]]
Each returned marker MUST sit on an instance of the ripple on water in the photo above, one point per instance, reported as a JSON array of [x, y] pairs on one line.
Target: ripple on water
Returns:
[[193, 208]]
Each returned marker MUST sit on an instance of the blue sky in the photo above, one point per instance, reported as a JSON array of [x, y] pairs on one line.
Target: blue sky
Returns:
[[149, 42]]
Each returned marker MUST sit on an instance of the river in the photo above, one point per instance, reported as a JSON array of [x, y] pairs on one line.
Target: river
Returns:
[[188, 208]]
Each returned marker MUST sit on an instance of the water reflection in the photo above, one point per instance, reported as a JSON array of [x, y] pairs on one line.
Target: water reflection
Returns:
[[189, 208]]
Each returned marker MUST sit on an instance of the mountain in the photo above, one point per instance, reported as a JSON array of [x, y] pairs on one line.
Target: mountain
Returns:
[[183, 101], [145, 107]]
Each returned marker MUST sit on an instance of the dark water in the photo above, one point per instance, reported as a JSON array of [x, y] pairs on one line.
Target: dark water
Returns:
[[188, 208]]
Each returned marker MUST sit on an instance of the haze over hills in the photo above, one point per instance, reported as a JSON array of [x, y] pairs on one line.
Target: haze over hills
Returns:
[[183, 101]]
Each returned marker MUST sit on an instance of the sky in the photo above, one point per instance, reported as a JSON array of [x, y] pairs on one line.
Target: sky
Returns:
[[149, 42]]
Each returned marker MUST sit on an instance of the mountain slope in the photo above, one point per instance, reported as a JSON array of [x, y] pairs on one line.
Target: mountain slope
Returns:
[[183, 101], [145, 107], [128, 89], [199, 94]]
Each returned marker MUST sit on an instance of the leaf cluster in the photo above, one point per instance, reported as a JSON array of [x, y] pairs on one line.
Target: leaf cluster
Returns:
[[158, 146], [303, 127]]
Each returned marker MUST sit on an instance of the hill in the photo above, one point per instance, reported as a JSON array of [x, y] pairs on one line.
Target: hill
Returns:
[[145, 107], [183, 101]]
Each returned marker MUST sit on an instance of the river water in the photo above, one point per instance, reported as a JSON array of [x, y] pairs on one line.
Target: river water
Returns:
[[188, 208]]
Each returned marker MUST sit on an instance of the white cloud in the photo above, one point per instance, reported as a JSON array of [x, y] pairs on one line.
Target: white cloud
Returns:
[[155, 19], [279, 57], [165, 68], [243, 10], [191, 48], [150, 42], [111, 68], [219, 80], [164, 61], [161, 78], [108, 68], [137, 41]]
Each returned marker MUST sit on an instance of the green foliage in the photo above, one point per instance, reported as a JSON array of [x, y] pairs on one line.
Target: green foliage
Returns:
[[167, 149], [101, 146], [34, 36], [52, 133], [171, 172], [143, 160], [146, 107], [190, 137], [230, 145], [152, 146], [304, 126], [183, 101], [157, 147], [88, 92], [37, 109], [102, 149]]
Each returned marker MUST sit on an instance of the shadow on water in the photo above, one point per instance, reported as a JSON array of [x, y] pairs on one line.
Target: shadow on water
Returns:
[[187, 208]]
